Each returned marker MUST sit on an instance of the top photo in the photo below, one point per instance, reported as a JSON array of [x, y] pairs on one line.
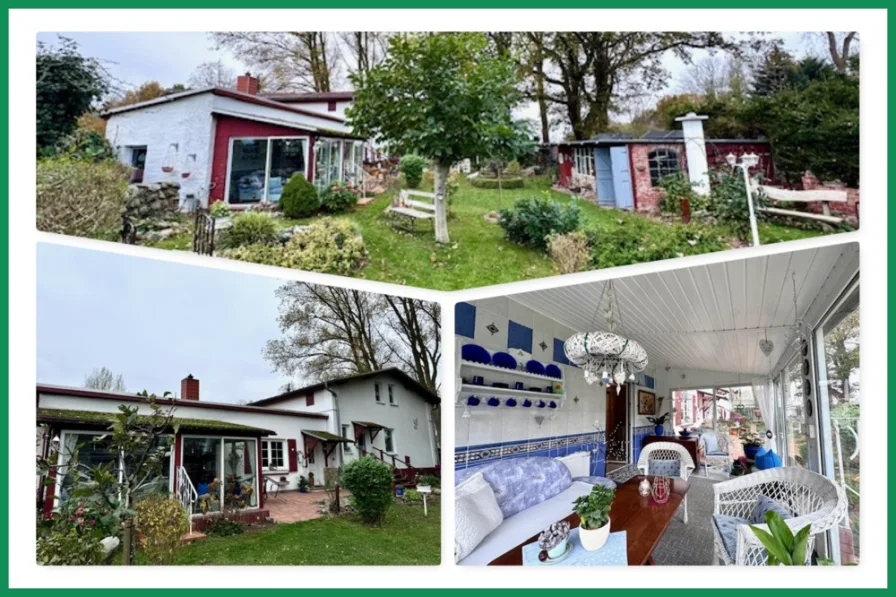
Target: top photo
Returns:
[[447, 160]]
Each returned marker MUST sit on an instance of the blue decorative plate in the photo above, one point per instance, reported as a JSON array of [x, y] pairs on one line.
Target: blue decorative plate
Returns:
[[535, 367], [475, 354], [553, 371], [503, 360]]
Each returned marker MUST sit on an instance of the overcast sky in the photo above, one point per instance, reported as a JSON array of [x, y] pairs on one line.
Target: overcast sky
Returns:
[[154, 322]]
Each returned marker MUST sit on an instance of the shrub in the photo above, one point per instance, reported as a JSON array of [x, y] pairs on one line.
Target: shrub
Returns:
[[430, 480], [679, 188], [327, 246], [487, 182], [87, 146], [224, 527], [219, 209], [412, 495], [252, 229], [370, 482], [299, 198], [339, 197], [513, 169], [728, 202], [162, 523], [69, 546], [531, 221], [81, 198], [570, 252], [636, 240], [412, 167]]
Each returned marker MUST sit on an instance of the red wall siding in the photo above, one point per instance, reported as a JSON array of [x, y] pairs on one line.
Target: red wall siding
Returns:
[[226, 128]]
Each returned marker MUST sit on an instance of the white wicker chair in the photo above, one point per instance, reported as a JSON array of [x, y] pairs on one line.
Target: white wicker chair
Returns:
[[813, 499], [668, 451], [722, 458]]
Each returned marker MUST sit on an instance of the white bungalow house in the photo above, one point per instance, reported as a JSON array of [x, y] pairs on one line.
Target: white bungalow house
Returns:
[[236, 145], [257, 446]]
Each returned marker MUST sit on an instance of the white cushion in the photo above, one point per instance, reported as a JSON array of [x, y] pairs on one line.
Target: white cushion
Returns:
[[476, 514], [519, 527], [579, 464]]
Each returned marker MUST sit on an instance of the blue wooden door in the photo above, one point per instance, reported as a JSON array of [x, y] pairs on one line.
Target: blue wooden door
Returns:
[[622, 177], [604, 174]]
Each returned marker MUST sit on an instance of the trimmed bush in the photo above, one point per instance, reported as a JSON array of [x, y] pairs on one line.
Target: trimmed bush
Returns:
[[412, 167], [370, 482], [252, 229], [299, 198], [339, 197], [532, 221], [81, 198], [161, 522], [487, 182], [728, 202], [513, 169], [328, 246], [219, 209], [636, 240]]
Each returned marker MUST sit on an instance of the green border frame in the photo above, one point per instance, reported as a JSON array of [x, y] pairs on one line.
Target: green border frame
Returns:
[[5, 248]]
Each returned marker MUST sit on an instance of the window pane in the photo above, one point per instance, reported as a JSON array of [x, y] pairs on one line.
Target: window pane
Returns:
[[841, 385], [248, 161], [202, 461], [287, 159], [240, 473], [321, 159], [388, 440], [797, 448]]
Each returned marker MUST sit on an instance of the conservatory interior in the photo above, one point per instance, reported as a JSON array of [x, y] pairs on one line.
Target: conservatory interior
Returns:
[[730, 388]]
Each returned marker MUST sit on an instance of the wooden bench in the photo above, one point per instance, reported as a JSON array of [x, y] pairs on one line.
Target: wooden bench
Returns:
[[823, 196], [413, 210]]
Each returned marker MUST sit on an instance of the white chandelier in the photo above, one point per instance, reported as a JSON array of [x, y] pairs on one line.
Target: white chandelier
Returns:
[[606, 356]]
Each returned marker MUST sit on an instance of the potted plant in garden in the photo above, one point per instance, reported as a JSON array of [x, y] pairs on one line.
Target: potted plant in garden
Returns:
[[659, 423], [752, 443], [594, 511], [303, 484]]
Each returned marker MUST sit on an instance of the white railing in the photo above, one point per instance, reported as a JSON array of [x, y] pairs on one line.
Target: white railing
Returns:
[[186, 493]]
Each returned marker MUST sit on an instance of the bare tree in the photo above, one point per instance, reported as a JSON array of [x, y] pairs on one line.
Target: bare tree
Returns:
[[103, 379], [212, 74], [417, 342], [289, 61], [328, 332], [839, 47], [362, 50]]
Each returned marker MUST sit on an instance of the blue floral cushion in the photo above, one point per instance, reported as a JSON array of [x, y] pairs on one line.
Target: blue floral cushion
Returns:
[[665, 468], [727, 528], [765, 504], [520, 483], [609, 484]]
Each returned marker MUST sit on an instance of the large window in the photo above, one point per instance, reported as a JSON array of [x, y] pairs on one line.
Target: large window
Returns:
[[272, 455], [584, 160], [337, 160], [796, 438], [662, 163], [260, 167], [223, 471]]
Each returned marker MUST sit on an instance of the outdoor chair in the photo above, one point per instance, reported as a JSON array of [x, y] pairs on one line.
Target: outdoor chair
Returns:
[[800, 496], [714, 451], [667, 459], [273, 486]]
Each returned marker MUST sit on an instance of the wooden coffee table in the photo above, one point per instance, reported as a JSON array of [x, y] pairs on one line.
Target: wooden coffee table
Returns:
[[643, 523]]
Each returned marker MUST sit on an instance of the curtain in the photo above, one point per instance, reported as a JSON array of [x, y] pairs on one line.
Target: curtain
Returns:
[[764, 392]]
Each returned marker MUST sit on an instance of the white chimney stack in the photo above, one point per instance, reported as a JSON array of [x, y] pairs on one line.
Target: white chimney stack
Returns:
[[695, 149]]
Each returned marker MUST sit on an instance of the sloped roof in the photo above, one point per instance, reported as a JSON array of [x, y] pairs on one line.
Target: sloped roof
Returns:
[[325, 436], [395, 372], [89, 418], [298, 98]]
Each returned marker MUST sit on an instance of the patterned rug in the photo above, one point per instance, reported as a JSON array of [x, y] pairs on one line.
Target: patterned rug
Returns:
[[690, 544]]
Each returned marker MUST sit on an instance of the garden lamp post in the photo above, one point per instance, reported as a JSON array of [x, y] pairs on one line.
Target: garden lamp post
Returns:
[[747, 161]]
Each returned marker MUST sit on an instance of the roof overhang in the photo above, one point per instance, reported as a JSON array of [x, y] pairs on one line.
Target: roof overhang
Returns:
[[84, 419]]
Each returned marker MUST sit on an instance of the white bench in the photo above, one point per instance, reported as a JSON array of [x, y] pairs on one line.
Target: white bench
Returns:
[[403, 205], [823, 196]]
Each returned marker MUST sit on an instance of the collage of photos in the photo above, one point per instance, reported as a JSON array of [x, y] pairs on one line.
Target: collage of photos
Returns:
[[702, 409]]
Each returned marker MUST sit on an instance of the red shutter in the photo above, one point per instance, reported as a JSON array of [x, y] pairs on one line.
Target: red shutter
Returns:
[[293, 457], [309, 400]]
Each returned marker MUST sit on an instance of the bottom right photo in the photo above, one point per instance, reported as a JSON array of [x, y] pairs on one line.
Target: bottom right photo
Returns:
[[707, 415]]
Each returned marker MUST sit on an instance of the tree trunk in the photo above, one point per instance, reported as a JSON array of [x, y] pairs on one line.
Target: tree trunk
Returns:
[[441, 221]]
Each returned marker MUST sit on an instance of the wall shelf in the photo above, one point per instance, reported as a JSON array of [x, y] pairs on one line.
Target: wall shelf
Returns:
[[512, 372]]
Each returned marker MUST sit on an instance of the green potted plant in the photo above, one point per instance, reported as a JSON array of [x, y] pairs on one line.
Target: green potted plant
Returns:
[[752, 443], [659, 423], [303, 484], [784, 548], [594, 511]]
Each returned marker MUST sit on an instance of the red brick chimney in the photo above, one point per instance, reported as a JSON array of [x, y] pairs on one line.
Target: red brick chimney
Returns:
[[247, 84], [189, 388]]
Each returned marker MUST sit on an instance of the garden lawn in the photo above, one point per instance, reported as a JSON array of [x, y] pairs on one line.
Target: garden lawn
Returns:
[[407, 538]]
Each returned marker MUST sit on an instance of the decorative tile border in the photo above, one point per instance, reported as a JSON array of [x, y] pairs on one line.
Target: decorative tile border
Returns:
[[466, 456]]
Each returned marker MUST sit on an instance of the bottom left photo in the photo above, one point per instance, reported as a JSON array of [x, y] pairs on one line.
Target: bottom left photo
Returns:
[[192, 416]]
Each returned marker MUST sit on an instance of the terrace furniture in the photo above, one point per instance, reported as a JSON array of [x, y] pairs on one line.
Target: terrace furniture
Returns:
[[412, 210], [669, 460], [272, 485], [823, 196], [643, 522], [690, 443], [805, 498], [714, 451]]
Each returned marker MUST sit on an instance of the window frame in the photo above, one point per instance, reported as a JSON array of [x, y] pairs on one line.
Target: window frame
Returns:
[[346, 434], [654, 160], [267, 163], [393, 401], [389, 437], [266, 455], [377, 394]]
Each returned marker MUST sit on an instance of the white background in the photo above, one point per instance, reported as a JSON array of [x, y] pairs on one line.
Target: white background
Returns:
[[23, 28]]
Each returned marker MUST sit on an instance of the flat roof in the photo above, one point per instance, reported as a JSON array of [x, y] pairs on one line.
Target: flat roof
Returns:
[[94, 419]]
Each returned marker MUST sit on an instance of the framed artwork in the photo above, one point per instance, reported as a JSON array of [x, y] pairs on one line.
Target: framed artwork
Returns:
[[646, 403]]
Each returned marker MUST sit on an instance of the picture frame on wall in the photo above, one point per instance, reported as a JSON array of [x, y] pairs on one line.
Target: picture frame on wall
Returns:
[[646, 403]]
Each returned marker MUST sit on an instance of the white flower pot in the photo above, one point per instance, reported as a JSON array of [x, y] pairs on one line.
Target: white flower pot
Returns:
[[594, 539]]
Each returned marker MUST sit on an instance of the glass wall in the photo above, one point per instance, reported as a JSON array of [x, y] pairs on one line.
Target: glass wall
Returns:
[[337, 160], [796, 439], [287, 158], [259, 168], [223, 471]]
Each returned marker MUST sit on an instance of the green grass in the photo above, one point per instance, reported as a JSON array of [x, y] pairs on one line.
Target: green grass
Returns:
[[407, 538], [478, 254]]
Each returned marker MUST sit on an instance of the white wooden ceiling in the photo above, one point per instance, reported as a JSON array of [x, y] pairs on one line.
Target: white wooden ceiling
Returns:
[[709, 317]]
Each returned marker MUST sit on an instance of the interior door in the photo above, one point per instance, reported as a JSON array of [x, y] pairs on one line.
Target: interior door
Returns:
[[622, 177], [617, 424], [603, 169]]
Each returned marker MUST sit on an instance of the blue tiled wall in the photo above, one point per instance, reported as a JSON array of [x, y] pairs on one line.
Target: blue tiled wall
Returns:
[[553, 447]]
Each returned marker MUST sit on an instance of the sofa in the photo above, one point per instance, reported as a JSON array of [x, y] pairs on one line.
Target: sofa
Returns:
[[530, 493]]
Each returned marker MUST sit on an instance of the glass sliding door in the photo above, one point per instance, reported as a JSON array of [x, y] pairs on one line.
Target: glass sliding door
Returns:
[[287, 159], [240, 473], [248, 165], [839, 395], [328, 161], [202, 461], [224, 472]]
